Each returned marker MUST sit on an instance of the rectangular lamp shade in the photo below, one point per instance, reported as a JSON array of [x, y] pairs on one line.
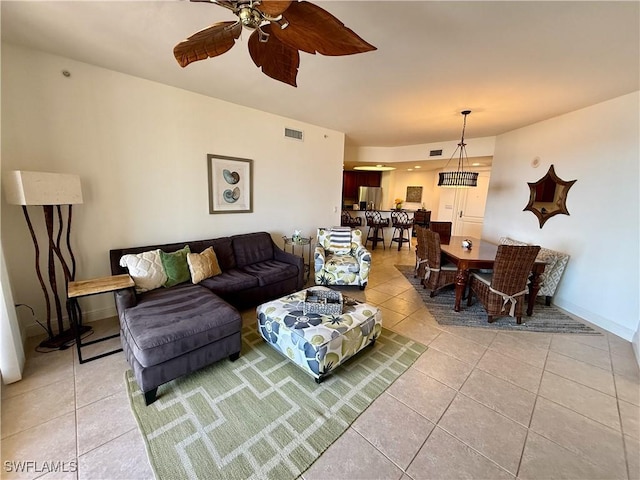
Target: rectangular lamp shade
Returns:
[[41, 188]]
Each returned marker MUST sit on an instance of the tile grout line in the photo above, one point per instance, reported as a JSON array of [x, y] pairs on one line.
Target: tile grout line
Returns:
[[474, 449], [615, 395], [75, 403], [615, 387], [404, 471], [579, 454], [535, 403], [437, 422]]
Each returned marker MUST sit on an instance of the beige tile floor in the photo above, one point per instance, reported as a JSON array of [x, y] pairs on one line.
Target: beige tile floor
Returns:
[[478, 403]]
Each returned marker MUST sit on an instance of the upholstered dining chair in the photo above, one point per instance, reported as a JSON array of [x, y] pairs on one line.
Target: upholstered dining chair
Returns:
[[437, 274], [402, 225], [376, 224], [502, 292], [346, 220], [444, 229]]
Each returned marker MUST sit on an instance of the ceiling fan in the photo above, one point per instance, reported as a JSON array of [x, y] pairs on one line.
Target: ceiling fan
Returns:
[[281, 28]]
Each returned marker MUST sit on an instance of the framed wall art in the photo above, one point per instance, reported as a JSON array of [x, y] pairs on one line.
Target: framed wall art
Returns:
[[414, 194], [230, 184]]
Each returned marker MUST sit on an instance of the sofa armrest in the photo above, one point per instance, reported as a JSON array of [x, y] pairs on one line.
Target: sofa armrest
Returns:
[[364, 262], [319, 261], [125, 298], [286, 257], [291, 259], [319, 257]]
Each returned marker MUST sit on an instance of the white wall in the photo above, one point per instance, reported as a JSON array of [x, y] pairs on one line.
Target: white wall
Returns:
[[140, 149], [599, 147], [11, 352], [395, 183]]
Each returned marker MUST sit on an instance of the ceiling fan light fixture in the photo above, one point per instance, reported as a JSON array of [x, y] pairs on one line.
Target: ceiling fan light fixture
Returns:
[[459, 178], [250, 17]]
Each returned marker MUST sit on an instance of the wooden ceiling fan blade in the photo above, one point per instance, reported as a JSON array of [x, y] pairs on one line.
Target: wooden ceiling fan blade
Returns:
[[277, 60], [312, 29], [273, 8], [209, 42]]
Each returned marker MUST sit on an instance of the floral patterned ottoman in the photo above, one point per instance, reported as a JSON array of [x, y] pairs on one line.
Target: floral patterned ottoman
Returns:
[[315, 342]]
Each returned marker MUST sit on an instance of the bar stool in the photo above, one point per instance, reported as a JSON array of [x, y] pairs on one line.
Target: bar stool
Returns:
[[401, 223], [377, 223], [346, 220]]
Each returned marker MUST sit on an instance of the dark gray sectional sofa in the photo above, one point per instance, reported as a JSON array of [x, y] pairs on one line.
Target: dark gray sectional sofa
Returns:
[[170, 332]]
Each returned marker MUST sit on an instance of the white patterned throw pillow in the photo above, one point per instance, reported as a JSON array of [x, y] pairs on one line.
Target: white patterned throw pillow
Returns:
[[146, 270]]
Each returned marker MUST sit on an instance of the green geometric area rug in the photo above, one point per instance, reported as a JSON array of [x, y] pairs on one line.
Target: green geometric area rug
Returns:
[[544, 319], [261, 416]]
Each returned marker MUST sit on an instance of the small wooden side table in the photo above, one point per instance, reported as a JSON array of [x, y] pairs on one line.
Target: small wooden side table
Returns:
[[85, 288]]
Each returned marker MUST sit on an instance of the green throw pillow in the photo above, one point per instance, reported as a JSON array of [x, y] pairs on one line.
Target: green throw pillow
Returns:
[[176, 266]]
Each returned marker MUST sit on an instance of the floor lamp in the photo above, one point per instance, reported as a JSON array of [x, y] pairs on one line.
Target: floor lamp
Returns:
[[51, 191]]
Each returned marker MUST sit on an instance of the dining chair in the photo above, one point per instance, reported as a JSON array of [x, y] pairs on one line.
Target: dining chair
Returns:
[[346, 220], [376, 224], [437, 274], [444, 229], [422, 218], [421, 251], [502, 293], [402, 225]]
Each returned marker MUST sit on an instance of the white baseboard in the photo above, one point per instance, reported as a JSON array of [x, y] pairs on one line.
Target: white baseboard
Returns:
[[35, 330], [635, 343], [591, 317]]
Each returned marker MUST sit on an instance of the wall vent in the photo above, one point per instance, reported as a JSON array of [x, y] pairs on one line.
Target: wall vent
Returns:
[[295, 134], [435, 153]]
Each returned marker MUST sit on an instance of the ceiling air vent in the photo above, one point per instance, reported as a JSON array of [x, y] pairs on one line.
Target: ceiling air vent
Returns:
[[435, 153], [295, 134]]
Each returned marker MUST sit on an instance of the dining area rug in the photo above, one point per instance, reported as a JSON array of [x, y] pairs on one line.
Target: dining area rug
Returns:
[[545, 318], [261, 416]]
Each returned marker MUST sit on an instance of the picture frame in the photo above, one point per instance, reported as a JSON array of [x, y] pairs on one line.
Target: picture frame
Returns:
[[230, 184], [414, 194]]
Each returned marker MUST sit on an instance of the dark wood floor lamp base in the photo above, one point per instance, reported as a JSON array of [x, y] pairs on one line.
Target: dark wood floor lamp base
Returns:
[[63, 337]]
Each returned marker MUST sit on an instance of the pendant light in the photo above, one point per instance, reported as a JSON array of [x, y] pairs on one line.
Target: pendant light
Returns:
[[460, 178]]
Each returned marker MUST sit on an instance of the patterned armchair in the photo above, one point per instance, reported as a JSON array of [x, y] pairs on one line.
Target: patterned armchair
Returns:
[[340, 258], [555, 265]]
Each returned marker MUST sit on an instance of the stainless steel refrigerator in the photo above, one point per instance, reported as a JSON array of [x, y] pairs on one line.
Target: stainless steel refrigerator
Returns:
[[370, 198]]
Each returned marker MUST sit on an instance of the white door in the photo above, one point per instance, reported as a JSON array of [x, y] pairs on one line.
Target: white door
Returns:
[[470, 204]]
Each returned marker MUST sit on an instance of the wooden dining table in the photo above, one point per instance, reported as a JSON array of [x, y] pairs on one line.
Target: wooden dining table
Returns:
[[482, 254]]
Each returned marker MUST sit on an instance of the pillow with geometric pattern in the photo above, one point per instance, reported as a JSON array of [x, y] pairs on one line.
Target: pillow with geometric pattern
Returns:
[[146, 270], [203, 265]]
